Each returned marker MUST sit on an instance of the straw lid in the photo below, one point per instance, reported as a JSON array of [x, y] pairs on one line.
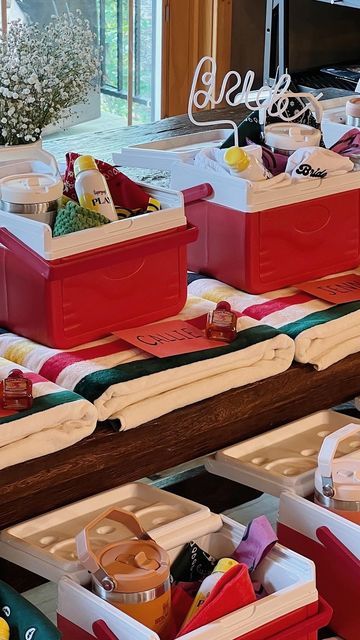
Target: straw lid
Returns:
[[30, 188], [136, 565], [290, 137]]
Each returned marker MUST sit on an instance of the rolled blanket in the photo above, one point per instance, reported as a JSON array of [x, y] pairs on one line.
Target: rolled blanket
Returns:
[[323, 333], [57, 419], [127, 384]]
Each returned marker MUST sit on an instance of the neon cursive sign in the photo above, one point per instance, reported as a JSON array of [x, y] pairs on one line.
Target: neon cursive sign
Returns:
[[272, 100]]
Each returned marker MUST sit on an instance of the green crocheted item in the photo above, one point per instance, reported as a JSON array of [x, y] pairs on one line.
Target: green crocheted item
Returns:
[[72, 218]]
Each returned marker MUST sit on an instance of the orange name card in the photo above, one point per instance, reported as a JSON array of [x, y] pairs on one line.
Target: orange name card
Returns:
[[171, 338], [337, 290]]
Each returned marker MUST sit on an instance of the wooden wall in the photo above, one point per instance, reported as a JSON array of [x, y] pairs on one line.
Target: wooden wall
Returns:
[[336, 39]]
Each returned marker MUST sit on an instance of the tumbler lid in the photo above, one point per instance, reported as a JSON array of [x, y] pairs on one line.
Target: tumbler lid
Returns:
[[291, 137], [30, 188]]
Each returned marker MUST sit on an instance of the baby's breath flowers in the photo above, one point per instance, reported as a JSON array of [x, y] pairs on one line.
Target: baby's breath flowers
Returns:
[[44, 71]]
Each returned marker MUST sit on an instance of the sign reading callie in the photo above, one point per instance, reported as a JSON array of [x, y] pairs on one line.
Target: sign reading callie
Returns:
[[168, 338], [337, 290]]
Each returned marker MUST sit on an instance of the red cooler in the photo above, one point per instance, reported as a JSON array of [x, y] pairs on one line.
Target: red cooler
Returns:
[[303, 625], [333, 544], [259, 238], [291, 610], [72, 300]]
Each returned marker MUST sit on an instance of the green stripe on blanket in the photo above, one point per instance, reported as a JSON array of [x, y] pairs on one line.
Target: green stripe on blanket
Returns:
[[293, 329], [95, 384], [42, 403]]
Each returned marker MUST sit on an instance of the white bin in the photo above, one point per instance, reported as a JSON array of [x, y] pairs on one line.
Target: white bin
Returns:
[[46, 546]]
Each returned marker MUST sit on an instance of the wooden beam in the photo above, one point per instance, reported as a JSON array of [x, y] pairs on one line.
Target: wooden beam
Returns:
[[108, 459]]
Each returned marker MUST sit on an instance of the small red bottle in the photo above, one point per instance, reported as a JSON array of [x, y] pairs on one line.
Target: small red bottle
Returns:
[[221, 323], [16, 391]]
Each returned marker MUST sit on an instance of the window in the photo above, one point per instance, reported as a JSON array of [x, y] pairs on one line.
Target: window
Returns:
[[150, 49], [130, 48]]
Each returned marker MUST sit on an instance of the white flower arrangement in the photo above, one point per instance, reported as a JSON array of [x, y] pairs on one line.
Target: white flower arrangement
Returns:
[[44, 71]]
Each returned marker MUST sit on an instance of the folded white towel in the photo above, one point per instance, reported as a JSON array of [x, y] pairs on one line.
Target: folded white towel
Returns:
[[57, 419], [127, 384], [323, 333]]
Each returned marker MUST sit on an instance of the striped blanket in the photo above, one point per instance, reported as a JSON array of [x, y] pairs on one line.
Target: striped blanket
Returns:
[[127, 384], [323, 333], [57, 419]]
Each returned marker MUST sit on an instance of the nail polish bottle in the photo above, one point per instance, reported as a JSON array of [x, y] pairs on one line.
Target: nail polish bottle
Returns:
[[221, 323], [16, 391]]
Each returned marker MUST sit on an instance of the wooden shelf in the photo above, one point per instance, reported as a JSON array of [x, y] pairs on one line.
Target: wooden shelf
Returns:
[[107, 459]]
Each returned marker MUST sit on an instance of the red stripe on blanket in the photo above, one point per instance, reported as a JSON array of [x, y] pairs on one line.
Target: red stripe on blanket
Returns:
[[55, 365], [259, 311], [52, 368], [101, 350], [34, 377]]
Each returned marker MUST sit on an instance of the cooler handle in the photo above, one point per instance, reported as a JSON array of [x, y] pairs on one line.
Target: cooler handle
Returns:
[[316, 622], [102, 631], [216, 630], [29, 256], [199, 192], [337, 548], [328, 451]]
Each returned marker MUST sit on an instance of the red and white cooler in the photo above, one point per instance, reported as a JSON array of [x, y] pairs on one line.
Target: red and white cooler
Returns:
[[68, 290], [46, 546], [283, 463], [258, 237]]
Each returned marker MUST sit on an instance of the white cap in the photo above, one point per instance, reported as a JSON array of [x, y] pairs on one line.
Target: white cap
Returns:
[[288, 136], [30, 188]]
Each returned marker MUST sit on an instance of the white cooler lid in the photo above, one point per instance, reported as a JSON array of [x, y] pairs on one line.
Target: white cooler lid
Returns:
[[161, 154], [283, 459], [46, 545], [38, 235]]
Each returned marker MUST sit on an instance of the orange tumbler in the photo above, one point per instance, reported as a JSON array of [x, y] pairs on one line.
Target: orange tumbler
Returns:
[[132, 574]]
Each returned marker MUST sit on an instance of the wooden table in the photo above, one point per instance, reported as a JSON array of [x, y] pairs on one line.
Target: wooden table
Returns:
[[107, 459]]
